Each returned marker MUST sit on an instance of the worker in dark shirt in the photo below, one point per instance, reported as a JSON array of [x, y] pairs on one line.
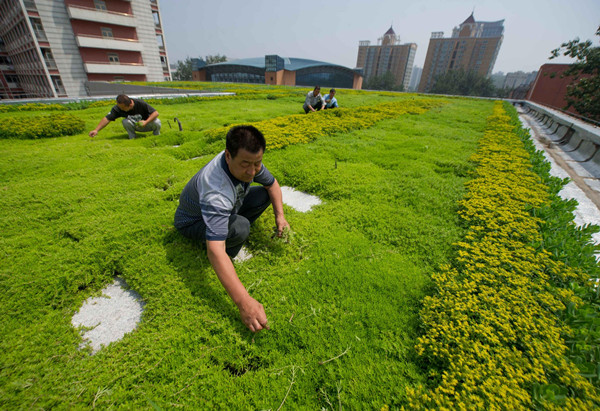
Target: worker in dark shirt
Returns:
[[138, 116]]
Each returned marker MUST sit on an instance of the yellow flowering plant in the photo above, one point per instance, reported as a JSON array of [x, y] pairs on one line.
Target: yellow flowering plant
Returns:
[[492, 338]]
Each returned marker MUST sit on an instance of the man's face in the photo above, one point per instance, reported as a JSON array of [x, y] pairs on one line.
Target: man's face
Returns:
[[245, 164], [331, 94], [125, 107], [316, 91]]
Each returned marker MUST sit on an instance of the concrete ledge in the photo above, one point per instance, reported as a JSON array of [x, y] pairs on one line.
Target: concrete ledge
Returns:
[[578, 140], [544, 115]]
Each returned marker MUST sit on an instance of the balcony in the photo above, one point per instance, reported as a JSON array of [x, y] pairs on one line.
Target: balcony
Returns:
[[100, 16], [111, 68], [112, 43]]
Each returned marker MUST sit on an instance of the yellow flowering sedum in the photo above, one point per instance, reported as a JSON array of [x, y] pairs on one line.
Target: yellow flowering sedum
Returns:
[[491, 327], [303, 128]]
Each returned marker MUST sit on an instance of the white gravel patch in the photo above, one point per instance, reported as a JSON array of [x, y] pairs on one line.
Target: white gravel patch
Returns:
[[298, 200], [243, 255], [109, 317]]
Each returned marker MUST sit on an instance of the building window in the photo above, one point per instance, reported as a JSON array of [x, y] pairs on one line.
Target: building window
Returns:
[[113, 58], [58, 85], [100, 5], [107, 32], [36, 24], [49, 59]]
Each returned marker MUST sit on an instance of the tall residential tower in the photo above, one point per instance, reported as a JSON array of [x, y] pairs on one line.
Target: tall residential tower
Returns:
[[50, 48], [474, 46], [387, 56]]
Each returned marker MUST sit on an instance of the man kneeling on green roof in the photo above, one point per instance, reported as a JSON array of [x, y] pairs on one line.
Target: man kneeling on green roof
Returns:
[[218, 205], [138, 116]]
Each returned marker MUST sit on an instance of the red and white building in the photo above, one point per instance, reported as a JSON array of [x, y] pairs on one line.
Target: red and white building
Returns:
[[50, 48]]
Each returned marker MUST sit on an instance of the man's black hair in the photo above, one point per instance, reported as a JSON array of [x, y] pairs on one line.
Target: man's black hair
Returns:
[[246, 137], [123, 99]]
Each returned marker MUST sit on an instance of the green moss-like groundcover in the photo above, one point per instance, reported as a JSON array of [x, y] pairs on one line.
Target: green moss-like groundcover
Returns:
[[342, 298]]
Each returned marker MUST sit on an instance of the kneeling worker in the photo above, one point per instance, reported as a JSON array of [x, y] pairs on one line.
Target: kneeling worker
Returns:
[[313, 101], [139, 116], [218, 205], [330, 100]]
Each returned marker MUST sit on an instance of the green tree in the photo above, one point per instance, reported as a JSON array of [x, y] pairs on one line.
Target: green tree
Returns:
[[183, 72], [384, 82], [584, 93], [463, 83], [217, 58]]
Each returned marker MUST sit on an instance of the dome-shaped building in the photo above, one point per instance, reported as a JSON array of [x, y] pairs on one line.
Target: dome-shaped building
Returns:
[[278, 70]]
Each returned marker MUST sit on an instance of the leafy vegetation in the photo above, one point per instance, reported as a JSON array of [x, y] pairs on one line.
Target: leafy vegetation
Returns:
[[584, 93], [571, 245], [343, 295], [216, 58], [54, 125], [493, 336], [183, 70], [386, 81], [463, 83], [283, 131]]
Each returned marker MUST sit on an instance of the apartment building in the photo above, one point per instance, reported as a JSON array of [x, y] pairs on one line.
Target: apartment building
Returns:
[[50, 48], [387, 56], [474, 46]]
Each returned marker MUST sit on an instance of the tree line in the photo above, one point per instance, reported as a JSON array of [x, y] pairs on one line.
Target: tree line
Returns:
[[183, 70]]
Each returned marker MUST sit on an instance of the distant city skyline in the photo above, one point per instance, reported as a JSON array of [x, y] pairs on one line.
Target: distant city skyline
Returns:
[[241, 29]]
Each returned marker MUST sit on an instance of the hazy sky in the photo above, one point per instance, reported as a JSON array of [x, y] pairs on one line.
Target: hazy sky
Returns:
[[330, 30]]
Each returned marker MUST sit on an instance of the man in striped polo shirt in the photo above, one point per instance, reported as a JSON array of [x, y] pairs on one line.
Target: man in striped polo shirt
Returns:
[[218, 205]]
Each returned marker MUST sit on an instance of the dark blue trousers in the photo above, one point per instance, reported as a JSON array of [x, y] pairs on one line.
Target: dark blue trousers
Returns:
[[255, 203]]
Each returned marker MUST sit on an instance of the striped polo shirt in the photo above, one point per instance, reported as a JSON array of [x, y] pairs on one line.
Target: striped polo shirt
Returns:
[[214, 194]]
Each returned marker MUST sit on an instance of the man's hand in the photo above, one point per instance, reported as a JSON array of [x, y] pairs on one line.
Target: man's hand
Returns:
[[253, 314], [103, 123], [281, 223]]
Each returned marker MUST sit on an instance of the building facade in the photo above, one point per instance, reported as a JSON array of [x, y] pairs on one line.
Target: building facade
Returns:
[[551, 85], [415, 78], [277, 70], [50, 48], [474, 46], [387, 56], [518, 79]]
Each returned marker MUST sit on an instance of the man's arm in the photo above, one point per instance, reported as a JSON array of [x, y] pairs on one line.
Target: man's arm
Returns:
[[150, 118], [252, 312], [307, 101], [103, 123], [320, 97], [274, 191]]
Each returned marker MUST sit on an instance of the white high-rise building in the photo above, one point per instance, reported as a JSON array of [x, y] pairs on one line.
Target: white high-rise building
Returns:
[[50, 48]]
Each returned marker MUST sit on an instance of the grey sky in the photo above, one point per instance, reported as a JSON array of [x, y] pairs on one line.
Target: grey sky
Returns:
[[330, 30]]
